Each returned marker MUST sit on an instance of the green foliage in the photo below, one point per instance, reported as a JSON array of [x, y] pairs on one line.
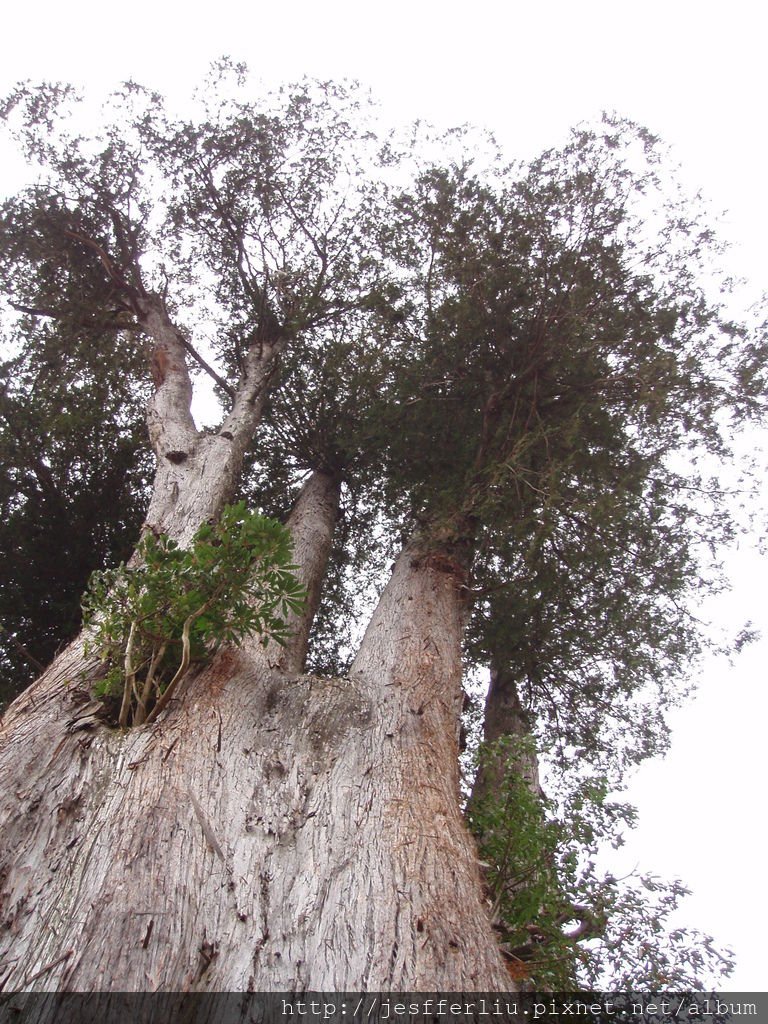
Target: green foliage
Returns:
[[560, 369], [520, 847], [73, 483], [519, 358], [150, 622], [74, 470], [563, 922]]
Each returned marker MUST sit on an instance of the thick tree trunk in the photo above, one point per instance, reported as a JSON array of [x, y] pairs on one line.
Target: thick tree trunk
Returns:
[[271, 831], [435, 931], [196, 473]]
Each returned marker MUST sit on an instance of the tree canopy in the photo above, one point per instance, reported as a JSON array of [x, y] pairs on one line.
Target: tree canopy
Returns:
[[73, 483], [516, 366]]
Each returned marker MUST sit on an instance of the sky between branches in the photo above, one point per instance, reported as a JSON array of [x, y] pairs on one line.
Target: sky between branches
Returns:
[[693, 74]]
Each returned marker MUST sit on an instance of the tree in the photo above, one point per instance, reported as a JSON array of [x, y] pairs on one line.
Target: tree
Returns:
[[466, 365], [73, 485]]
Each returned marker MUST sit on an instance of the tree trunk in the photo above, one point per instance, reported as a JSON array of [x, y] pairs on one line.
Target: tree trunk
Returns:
[[505, 718], [271, 831], [196, 473], [311, 524]]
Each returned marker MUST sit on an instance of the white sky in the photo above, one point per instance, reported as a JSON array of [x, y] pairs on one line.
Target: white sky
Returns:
[[692, 72]]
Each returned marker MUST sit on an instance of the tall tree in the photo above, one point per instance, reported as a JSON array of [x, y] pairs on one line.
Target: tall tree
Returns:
[[465, 366], [73, 484]]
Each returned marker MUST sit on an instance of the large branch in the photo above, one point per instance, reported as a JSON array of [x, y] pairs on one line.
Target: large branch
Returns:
[[260, 365], [172, 429], [112, 319], [311, 523], [198, 473]]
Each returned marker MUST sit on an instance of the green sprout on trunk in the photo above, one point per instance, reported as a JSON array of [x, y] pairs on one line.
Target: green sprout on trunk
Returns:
[[150, 622]]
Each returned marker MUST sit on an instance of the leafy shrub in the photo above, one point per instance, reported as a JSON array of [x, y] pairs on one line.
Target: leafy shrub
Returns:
[[564, 923], [152, 621]]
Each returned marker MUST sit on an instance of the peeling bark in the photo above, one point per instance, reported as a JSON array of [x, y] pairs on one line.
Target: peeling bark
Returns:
[[271, 831]]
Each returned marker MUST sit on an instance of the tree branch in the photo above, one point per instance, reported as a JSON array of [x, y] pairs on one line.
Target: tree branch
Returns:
[[87, 324], [312, 524], [172, 429], [22, 649], [225, 387], [260, 364], [186, 658]]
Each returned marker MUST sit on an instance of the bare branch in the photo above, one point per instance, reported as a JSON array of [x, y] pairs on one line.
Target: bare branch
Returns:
[[312, 524], [22, 649], [225, 387], [172, 429]]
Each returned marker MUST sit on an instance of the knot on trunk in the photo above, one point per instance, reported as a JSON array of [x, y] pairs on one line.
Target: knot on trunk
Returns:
[[444, 562], [176, 456]]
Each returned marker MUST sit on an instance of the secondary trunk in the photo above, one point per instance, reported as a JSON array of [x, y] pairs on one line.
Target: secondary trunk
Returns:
[[196, 473], [505, 719], [271, 831], [510, 759]]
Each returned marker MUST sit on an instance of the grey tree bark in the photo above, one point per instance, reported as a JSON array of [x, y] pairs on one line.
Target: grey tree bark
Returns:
[[271, 830]]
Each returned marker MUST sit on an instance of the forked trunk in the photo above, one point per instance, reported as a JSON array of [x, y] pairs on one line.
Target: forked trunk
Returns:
[[271, 831]]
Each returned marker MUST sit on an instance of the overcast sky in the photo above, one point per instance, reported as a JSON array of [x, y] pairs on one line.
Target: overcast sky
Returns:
[[693, 73]]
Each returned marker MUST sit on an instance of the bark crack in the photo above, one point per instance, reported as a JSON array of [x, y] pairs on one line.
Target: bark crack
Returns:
[[206, 827]]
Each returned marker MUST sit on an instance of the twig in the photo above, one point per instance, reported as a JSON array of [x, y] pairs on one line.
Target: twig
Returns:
[[141, 711], [181, 671], [225, 387], [130, 677], [23, 650], [207, 830], [49, 967], [167, 754]]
